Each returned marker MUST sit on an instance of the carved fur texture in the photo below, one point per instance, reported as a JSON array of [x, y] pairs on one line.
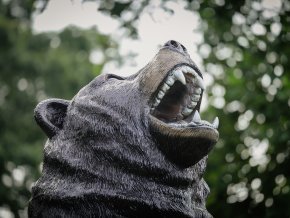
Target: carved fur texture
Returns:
[[105, 158]]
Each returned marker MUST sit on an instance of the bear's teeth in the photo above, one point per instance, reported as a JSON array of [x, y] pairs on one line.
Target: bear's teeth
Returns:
[[215, 123], [199, 82], [192, 104], [160, 94], [170, 80], [157, 101], [195, 98], [196, 117], [197, 79], [165, 87], [187, 69], [186, 111], [197, 91], [180, 76]]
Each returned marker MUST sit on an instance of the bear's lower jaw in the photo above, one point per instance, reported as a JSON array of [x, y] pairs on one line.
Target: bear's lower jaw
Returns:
[[184, 145]]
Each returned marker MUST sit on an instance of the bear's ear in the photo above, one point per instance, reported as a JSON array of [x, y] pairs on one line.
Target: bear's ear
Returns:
[[50, 114]]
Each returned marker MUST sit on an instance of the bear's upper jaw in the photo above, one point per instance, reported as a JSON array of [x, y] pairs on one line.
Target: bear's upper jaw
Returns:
[[177, 100]]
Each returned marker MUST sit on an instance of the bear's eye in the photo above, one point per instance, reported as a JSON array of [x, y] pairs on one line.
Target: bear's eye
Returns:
[[110, 76]]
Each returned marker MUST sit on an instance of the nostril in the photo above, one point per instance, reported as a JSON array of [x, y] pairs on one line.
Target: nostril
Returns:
[[184, 49], [173, 43]]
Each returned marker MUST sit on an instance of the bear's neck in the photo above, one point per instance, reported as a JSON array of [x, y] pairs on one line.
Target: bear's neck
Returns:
[[108, 170]]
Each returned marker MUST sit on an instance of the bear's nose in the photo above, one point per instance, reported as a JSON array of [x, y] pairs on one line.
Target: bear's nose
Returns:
[[175, 46]]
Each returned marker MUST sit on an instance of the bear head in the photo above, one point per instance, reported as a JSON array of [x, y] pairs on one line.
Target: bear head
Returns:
[[128, 146]]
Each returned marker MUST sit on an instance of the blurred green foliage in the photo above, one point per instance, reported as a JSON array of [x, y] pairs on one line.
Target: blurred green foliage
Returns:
[[248, 57], [246, 53]]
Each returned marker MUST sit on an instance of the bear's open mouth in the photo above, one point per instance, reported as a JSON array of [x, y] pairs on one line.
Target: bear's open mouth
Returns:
[[177, 99]]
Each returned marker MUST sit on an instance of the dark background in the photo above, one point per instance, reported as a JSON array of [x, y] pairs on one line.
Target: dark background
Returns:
[[248, 170]]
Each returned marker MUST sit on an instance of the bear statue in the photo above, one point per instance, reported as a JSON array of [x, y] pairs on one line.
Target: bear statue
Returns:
[[131, 146]]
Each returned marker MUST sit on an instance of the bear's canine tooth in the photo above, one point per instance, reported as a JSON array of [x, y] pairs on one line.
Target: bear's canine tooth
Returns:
[[180, 76], [200, 82], [196, 117], [197, 78], [215, 123]]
